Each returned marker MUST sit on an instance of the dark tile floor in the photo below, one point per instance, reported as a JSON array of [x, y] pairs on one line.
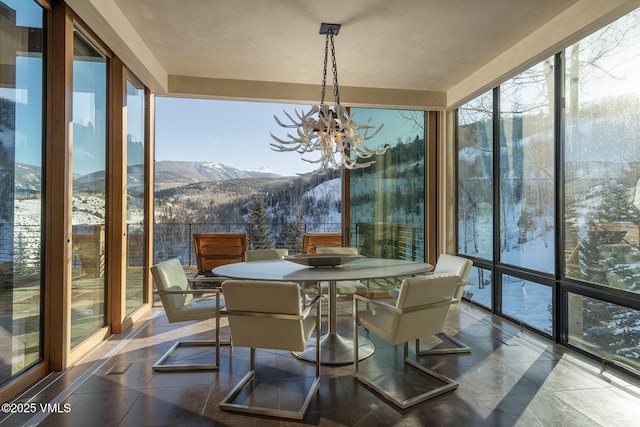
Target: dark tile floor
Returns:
[[512, 377]]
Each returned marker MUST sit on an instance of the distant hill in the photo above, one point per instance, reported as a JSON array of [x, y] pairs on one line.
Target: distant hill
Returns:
[[202, 201], [168, 174], [172, 174], [27, 179]]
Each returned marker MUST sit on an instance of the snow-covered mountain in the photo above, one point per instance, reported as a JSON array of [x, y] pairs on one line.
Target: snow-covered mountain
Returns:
[[27, 178], [171, 174]]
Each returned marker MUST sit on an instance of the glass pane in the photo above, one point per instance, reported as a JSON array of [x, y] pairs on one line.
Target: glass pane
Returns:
[[89, 188], [475, 177], [135, 194], [387, 198], [21, 104], [212, 170], [528, 302], [602, 154], [527, 218], [479, 291], [605, 329]]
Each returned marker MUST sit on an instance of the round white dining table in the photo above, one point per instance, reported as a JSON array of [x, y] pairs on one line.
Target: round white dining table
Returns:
[[335, 349]]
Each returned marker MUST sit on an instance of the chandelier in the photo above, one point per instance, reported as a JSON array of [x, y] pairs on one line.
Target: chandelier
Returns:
[[328, 131]]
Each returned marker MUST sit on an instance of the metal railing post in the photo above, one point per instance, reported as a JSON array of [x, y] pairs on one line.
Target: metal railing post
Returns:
[[189, 246]]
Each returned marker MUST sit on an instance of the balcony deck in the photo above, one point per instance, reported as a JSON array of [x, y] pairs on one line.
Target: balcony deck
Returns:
[[511, 378]]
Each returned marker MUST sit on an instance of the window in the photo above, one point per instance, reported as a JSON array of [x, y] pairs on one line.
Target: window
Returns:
[[89, 188], [597, 141], [388, 197], [602, 157], [605, 329], [21, 138], [526, 175], [475, 178], [135, 193], [528, 302], [479, 288], [244, 185]]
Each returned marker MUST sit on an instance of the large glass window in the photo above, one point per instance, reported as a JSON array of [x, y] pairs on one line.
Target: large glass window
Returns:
[[388, 197], [89, 188], [475, 177], [213, 174], [605, 329], [602, 157], [479, 288], [135, 193], [600, 185], [21, 102], [527, 184], [528, 302]]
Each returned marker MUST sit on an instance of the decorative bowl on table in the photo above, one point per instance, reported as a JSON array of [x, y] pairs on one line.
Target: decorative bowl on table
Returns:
[[322, 260]]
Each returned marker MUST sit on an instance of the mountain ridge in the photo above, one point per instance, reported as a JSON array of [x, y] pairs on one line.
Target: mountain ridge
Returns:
[[171, 173], [168, 174]]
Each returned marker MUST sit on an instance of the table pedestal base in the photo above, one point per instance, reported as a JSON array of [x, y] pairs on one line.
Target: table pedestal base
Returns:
[[337, 350]]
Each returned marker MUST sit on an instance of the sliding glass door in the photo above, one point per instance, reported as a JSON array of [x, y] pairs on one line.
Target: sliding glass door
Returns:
[[21, 221], [89, 188], [135, 193]]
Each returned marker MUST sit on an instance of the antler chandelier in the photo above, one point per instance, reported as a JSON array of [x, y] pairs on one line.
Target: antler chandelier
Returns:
[[329, 131]]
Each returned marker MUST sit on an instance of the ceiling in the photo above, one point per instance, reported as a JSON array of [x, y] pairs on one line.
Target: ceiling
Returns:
[[411, 45]]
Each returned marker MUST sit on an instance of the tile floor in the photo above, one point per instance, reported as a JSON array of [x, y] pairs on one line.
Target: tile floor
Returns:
[[512, 377]]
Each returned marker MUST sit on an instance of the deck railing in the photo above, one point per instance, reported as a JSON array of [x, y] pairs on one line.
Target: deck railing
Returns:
[[173, 240], [20, 245], [402, 241]]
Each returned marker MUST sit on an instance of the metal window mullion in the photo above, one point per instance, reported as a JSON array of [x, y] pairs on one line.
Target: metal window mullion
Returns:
[[496, 288], [560, 300]]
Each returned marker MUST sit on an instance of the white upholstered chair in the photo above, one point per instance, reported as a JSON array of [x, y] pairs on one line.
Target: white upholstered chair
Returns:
[[455, 264], [269, 315], [462, 267], [343, 287], [420, 311], [448, 264], [182, 304], [265, 254]]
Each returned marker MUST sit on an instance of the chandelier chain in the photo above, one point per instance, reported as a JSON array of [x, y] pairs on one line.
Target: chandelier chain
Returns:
[[324, 70], [336, 91], [329, 129]]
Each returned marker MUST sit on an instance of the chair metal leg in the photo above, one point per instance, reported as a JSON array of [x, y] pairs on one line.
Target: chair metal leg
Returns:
[[160, 365], [448, 385], [227, 403], [460, 347]]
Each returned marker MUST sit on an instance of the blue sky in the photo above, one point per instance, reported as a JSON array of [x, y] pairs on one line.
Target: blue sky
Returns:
[[232, 133], [238, 133], [28, 90]]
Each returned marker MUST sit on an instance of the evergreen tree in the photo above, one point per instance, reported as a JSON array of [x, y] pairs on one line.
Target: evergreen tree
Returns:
[[612, 329], [259, 236], [291, 236]]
